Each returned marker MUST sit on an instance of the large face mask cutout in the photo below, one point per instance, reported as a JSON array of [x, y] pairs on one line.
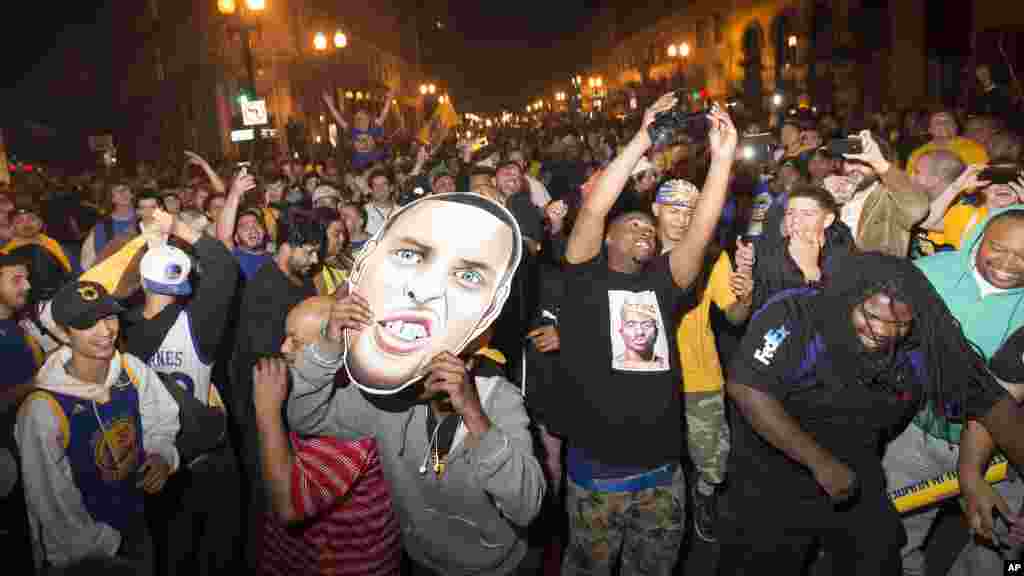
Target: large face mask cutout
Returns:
[[435, 277]]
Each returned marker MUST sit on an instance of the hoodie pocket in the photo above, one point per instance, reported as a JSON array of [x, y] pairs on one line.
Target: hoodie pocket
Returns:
[[457, 540]]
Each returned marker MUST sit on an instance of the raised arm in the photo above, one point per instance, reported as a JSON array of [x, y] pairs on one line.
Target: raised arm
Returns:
[[379, 121], [588, 231], [940, 205], [687, 258], [911, 201], [229, 214], [215, 180], [329, 101]]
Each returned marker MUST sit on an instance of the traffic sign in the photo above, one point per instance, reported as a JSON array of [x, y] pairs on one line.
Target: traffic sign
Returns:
[[254, 112]]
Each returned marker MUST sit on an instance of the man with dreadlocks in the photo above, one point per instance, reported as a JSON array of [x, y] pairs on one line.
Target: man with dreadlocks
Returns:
[[820, 378], [983, 286]]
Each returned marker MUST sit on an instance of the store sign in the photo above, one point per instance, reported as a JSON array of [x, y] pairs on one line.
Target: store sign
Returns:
[[248, 134]]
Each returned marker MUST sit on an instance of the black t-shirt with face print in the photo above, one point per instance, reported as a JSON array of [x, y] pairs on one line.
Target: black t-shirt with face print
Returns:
[[618, 399]]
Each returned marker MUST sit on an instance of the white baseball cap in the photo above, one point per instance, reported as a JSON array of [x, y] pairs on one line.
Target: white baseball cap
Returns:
[[165, 270]]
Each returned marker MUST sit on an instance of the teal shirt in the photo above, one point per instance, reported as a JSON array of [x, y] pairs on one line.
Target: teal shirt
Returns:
[[987, 321]]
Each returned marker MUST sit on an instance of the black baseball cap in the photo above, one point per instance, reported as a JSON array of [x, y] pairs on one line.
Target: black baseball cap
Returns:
[[25, 208], [19, 258], [81, 305]]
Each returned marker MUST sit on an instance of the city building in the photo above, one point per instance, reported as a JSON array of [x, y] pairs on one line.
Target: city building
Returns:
[[193, 72], [837, 55]]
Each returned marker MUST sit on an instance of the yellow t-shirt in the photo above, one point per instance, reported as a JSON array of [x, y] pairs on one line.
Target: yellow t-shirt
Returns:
[[969, 151], [959, 221], [702, 370], [331, 279]]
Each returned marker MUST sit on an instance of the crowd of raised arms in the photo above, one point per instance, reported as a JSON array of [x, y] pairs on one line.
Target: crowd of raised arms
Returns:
[[579, 346]]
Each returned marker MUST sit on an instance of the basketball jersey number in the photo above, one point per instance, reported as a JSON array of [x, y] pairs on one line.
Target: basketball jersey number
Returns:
[[185, 381]]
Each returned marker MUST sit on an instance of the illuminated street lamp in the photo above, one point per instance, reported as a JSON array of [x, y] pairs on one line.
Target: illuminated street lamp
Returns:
[[792, 41], [684, 50], [320, 42], [340, 40], [431, 88], [423, 89], [777, 100], [672, 51]]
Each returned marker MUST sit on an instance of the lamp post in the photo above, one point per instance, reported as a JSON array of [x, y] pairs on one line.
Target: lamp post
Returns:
[[229, 8], [339, 42]]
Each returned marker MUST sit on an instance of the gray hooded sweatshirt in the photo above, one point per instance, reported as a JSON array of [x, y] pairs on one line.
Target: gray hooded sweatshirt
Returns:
[[468, 519]]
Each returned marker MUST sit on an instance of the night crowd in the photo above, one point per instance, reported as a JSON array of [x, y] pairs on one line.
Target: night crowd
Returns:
[[570, 345]]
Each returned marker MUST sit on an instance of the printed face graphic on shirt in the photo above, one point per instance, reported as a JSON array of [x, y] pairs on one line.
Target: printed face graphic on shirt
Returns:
[[435, 277], [638, 336], [363, 143], [115, 450]]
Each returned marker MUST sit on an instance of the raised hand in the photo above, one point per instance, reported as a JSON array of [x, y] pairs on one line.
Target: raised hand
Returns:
[[243, 184], [666, 102], [745, 257], [722, 138], [871, 154], [449, 375], [270, 386], [349, 312], [555, 213], [196, 160]]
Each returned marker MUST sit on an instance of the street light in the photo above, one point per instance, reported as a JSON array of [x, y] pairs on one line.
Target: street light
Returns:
[[423, 89], [684, 50], [320, 42], [340, 40], [431, 88], [229, 8], [672, 51], [792, 41]]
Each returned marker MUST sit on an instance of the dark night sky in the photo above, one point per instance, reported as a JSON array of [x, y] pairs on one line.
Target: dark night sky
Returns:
[[62, 66], [503, 54]]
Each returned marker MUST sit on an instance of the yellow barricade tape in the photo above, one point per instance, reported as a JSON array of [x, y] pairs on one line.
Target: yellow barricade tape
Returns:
[[939, 488]]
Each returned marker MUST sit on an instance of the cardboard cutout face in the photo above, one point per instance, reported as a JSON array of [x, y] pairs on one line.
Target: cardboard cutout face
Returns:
[[436, 276]]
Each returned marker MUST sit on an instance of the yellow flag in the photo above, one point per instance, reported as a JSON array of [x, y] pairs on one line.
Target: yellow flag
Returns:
[[111, 272], [441, 122]]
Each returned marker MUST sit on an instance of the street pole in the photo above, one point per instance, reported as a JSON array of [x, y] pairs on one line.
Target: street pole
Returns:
[[250, 73]]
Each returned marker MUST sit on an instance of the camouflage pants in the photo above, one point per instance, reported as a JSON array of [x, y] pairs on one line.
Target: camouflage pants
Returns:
[[640, 532]]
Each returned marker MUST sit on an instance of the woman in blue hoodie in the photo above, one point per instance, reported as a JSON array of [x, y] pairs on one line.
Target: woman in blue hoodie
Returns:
[[983, 286]]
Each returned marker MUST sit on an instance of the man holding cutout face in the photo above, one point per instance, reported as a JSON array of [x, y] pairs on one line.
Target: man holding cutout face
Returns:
[[454, 447]]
